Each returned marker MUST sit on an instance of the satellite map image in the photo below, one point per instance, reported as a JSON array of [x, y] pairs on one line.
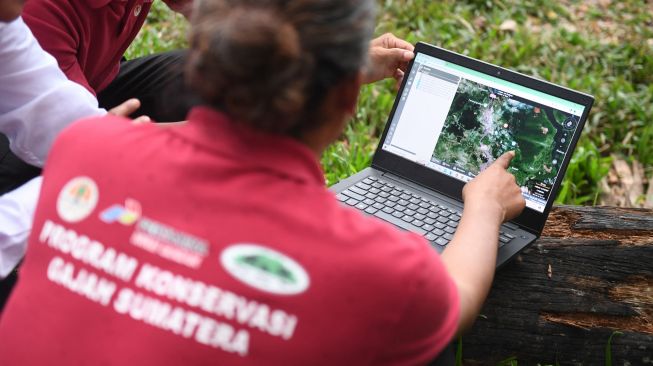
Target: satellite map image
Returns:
[[484, 123]]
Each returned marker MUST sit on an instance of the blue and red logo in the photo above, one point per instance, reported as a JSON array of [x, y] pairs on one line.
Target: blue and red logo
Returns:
[[126, 215]]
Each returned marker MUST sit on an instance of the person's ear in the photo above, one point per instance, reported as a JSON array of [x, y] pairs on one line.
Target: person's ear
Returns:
[[348, 92]]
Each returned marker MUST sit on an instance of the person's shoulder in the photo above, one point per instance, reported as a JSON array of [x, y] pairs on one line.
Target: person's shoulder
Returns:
[[359, 228], [411, 280], [55, 22], [399, 269], [385, 248], [368, 240], [380, 247], [13, 35], [92, 144], [37, 11], [90, 134], [96, 126]]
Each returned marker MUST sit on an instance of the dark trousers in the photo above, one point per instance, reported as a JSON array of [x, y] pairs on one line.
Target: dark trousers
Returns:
[[156, 80], [447, 357], [13, 171]]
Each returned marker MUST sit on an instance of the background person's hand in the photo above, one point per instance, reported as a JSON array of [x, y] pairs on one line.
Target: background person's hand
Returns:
[[10, 9], [127, 108], [388, 57], [496, 190]]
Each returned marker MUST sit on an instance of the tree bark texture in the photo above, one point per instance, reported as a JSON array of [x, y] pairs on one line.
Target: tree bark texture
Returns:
[[560, 300]]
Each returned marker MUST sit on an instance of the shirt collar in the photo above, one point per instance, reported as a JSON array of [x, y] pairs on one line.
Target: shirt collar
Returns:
[[279, 154]]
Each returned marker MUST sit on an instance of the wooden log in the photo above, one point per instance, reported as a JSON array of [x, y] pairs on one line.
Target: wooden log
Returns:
[[560, 300]]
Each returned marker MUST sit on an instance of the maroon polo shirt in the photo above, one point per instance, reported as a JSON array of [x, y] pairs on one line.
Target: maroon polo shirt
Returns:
[[211, 243], [88, 37]]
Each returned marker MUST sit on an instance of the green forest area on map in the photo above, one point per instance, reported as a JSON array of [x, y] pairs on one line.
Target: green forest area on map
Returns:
[[483, 123]]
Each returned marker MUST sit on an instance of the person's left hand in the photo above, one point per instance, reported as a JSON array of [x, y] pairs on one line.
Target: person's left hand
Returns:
[[127, 108], [389, 57], [130, 106]]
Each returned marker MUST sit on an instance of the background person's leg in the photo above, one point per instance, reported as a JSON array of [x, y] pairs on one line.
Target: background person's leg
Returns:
[[157, 80], [13, 171], [6, 286]]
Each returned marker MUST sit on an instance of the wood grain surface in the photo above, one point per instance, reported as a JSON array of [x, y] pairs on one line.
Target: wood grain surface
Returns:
[[558, 302]]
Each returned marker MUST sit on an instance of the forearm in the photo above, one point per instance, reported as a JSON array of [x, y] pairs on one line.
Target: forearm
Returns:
[[470, 259]]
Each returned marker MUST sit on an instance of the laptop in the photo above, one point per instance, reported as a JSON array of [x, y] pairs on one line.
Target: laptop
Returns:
[[452, 117]]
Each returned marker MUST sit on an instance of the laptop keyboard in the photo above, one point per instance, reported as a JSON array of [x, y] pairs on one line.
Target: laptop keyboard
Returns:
[[434, 221]]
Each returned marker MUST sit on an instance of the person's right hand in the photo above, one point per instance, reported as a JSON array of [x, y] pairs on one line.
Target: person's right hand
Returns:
[[495, 190]]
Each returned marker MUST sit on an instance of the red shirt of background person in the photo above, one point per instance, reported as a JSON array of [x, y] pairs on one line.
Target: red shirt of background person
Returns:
[[89, 37], [230, 237]]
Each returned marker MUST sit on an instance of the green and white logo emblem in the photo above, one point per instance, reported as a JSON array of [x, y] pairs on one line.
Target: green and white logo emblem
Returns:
[[265, 269]]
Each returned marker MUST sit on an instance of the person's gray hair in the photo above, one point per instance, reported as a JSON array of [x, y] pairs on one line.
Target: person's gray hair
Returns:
[[268, 63]]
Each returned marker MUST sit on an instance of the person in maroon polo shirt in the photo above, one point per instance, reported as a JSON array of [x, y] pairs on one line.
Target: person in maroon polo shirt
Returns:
[[216, 242], [88, 39]]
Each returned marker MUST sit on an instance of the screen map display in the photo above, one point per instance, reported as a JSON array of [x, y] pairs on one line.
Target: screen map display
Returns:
[[459, 121]]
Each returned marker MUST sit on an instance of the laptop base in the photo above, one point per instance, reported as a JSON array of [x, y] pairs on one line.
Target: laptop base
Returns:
[[414, 208]]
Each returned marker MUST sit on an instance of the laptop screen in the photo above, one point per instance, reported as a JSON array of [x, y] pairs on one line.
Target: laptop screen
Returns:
[[457, 121]]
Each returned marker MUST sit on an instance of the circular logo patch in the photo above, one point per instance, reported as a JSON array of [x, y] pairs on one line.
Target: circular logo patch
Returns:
[[77, 199], [265, 269]]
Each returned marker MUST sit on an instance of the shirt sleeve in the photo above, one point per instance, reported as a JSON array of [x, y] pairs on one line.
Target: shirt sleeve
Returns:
[[16, 217], [36, 99]]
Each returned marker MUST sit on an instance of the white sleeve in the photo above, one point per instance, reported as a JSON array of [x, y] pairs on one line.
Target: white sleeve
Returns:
[[16, 216], [37, 101]]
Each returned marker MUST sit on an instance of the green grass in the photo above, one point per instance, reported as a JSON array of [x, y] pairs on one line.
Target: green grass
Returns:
[[608, 348], [606, 52]]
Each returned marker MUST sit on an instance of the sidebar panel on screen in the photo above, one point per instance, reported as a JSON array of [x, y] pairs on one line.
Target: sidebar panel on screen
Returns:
[[421, 113]]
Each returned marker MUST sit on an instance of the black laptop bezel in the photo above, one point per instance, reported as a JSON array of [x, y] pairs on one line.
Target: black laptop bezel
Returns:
[[530, 220]]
